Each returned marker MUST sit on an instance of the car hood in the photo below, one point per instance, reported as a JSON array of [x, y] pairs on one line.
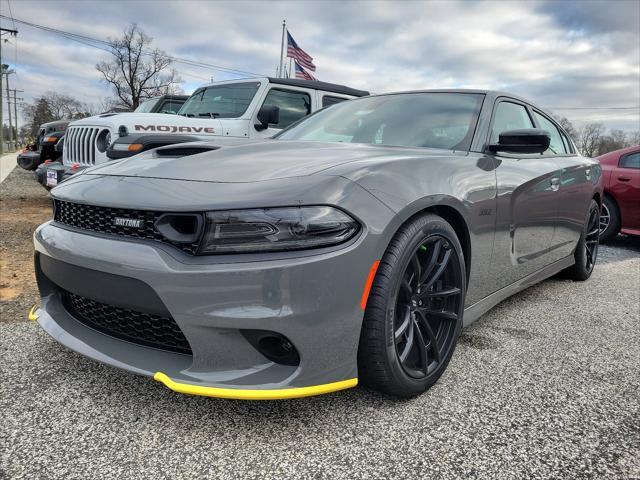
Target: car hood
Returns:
[[154, 123], [260, 161]]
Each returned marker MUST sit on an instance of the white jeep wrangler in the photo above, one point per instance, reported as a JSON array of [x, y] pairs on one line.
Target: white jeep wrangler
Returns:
[[236, 109]]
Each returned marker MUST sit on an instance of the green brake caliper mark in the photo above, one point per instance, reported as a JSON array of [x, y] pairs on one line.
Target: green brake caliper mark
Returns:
[[422, 247]]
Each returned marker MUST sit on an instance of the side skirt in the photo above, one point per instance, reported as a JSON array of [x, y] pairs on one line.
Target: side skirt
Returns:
[[475, 311]]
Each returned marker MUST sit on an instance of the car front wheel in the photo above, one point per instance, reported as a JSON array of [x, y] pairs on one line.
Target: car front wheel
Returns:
[[414, 311]]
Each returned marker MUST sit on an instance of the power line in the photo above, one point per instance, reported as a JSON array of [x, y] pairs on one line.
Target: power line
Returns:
[[101, 44]]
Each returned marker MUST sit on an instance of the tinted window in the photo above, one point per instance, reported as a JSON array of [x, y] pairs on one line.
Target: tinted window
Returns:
[[146, 106], [171, 106], [328, 100], [220, 101], [293, 105], [509, 116], [556, 147], [437, 120], [567, 143], [631, 160]]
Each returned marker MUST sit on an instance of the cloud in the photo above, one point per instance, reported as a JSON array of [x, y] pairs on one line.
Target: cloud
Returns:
[[558, 54]]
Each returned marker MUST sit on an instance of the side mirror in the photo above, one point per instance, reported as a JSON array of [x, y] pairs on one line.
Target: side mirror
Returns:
[[527, 140], [268, 114]]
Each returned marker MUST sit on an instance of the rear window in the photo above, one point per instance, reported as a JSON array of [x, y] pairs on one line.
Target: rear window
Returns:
[[328, 100]]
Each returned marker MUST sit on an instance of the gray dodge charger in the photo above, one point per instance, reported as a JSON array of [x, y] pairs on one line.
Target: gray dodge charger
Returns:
[[351, 248]]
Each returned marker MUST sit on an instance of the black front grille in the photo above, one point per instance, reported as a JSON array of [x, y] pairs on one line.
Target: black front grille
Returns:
[[136, 327], [103, 220]]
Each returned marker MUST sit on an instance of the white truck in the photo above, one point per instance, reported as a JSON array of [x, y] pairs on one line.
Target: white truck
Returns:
[[237, 109]]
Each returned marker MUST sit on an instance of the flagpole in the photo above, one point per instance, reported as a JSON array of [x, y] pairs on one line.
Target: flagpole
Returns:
[[282, 48]]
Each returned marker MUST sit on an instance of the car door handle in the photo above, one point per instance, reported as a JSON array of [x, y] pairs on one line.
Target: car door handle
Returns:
[[624, 179], [555, 184]]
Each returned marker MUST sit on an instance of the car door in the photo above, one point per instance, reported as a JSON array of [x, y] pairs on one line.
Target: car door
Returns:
[[625, 187], [574, 194], [527, 204], [294, 104]]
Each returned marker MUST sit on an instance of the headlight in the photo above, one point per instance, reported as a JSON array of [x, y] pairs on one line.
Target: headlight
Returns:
[[275, 229], [127, 147]]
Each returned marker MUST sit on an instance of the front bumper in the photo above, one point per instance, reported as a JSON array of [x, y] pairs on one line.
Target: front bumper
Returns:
[[63, 172], [314, 300]]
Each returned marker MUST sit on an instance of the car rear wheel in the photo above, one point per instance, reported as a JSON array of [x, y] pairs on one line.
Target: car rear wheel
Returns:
[[609, 220], [414, 311], [586, 252]]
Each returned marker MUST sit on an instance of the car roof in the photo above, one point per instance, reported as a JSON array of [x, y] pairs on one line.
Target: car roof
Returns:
[[55, 123], [318, 85], [617, 153]]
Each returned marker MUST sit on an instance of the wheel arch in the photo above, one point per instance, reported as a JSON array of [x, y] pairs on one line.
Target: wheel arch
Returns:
[[447, 209]]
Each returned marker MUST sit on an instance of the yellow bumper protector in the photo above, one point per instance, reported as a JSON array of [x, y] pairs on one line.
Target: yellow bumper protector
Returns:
[[241, 394], [33, 315]]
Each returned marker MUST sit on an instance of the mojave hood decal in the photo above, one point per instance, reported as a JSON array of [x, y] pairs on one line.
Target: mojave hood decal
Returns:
[[144, 123]]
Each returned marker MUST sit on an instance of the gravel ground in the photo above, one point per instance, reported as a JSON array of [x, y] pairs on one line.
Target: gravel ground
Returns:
[[546, 385], [24, 205]]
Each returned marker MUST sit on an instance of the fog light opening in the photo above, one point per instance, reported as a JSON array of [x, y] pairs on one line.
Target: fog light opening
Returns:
[[273, 346]]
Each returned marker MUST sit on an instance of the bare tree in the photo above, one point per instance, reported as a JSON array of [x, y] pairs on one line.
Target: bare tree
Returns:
[[614, 140], [567, 126], [590, 137], [136, 72], [634, 138], [52, 106]]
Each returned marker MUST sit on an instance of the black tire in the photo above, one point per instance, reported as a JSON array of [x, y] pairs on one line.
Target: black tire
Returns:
[[28, 162], [410, 318], [610, 220], [586, 252]]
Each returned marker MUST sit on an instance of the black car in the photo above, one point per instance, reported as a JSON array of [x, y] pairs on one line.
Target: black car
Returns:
[[44, 148]]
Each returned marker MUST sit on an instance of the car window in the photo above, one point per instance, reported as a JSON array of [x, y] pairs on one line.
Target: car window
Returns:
[[509, 116], [170, 106], [556, 147], [567, 143], [631, 160], [146, 106], [430, 119], [328, 100], [229, 100], [293, 105]]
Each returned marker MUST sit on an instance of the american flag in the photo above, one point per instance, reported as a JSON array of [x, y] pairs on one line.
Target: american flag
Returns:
[[302, 73], [299, 55]]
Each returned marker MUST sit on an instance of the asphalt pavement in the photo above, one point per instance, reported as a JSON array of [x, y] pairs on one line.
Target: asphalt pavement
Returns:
[[546, 385]]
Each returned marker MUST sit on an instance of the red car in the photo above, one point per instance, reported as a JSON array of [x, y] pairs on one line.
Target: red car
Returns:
[[621, 206]]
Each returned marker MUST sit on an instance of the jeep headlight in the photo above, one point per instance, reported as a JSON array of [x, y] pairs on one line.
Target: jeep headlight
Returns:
[[275, 229]]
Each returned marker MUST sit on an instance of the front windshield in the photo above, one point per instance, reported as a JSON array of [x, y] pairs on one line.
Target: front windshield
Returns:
[[220, 101], [147, 106], [436, 120]]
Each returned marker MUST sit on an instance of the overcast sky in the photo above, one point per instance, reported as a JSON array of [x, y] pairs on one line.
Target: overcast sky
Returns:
[[578, 59]]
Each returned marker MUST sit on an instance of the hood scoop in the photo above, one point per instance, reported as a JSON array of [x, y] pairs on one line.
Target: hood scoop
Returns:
[[184, 150]]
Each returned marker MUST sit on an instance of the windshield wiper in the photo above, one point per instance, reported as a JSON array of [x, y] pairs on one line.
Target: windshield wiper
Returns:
[[186, 114], [210, 114]]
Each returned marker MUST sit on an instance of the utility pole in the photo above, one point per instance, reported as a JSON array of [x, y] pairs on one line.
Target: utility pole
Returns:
[[15, 111], [280, 70], [14, 33], [7, 72]]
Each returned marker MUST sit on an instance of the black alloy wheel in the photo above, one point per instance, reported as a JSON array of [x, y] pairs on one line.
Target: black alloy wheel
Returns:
[[427, 307], [605, 218], [586, 252], [592, 239], [414, 310]]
